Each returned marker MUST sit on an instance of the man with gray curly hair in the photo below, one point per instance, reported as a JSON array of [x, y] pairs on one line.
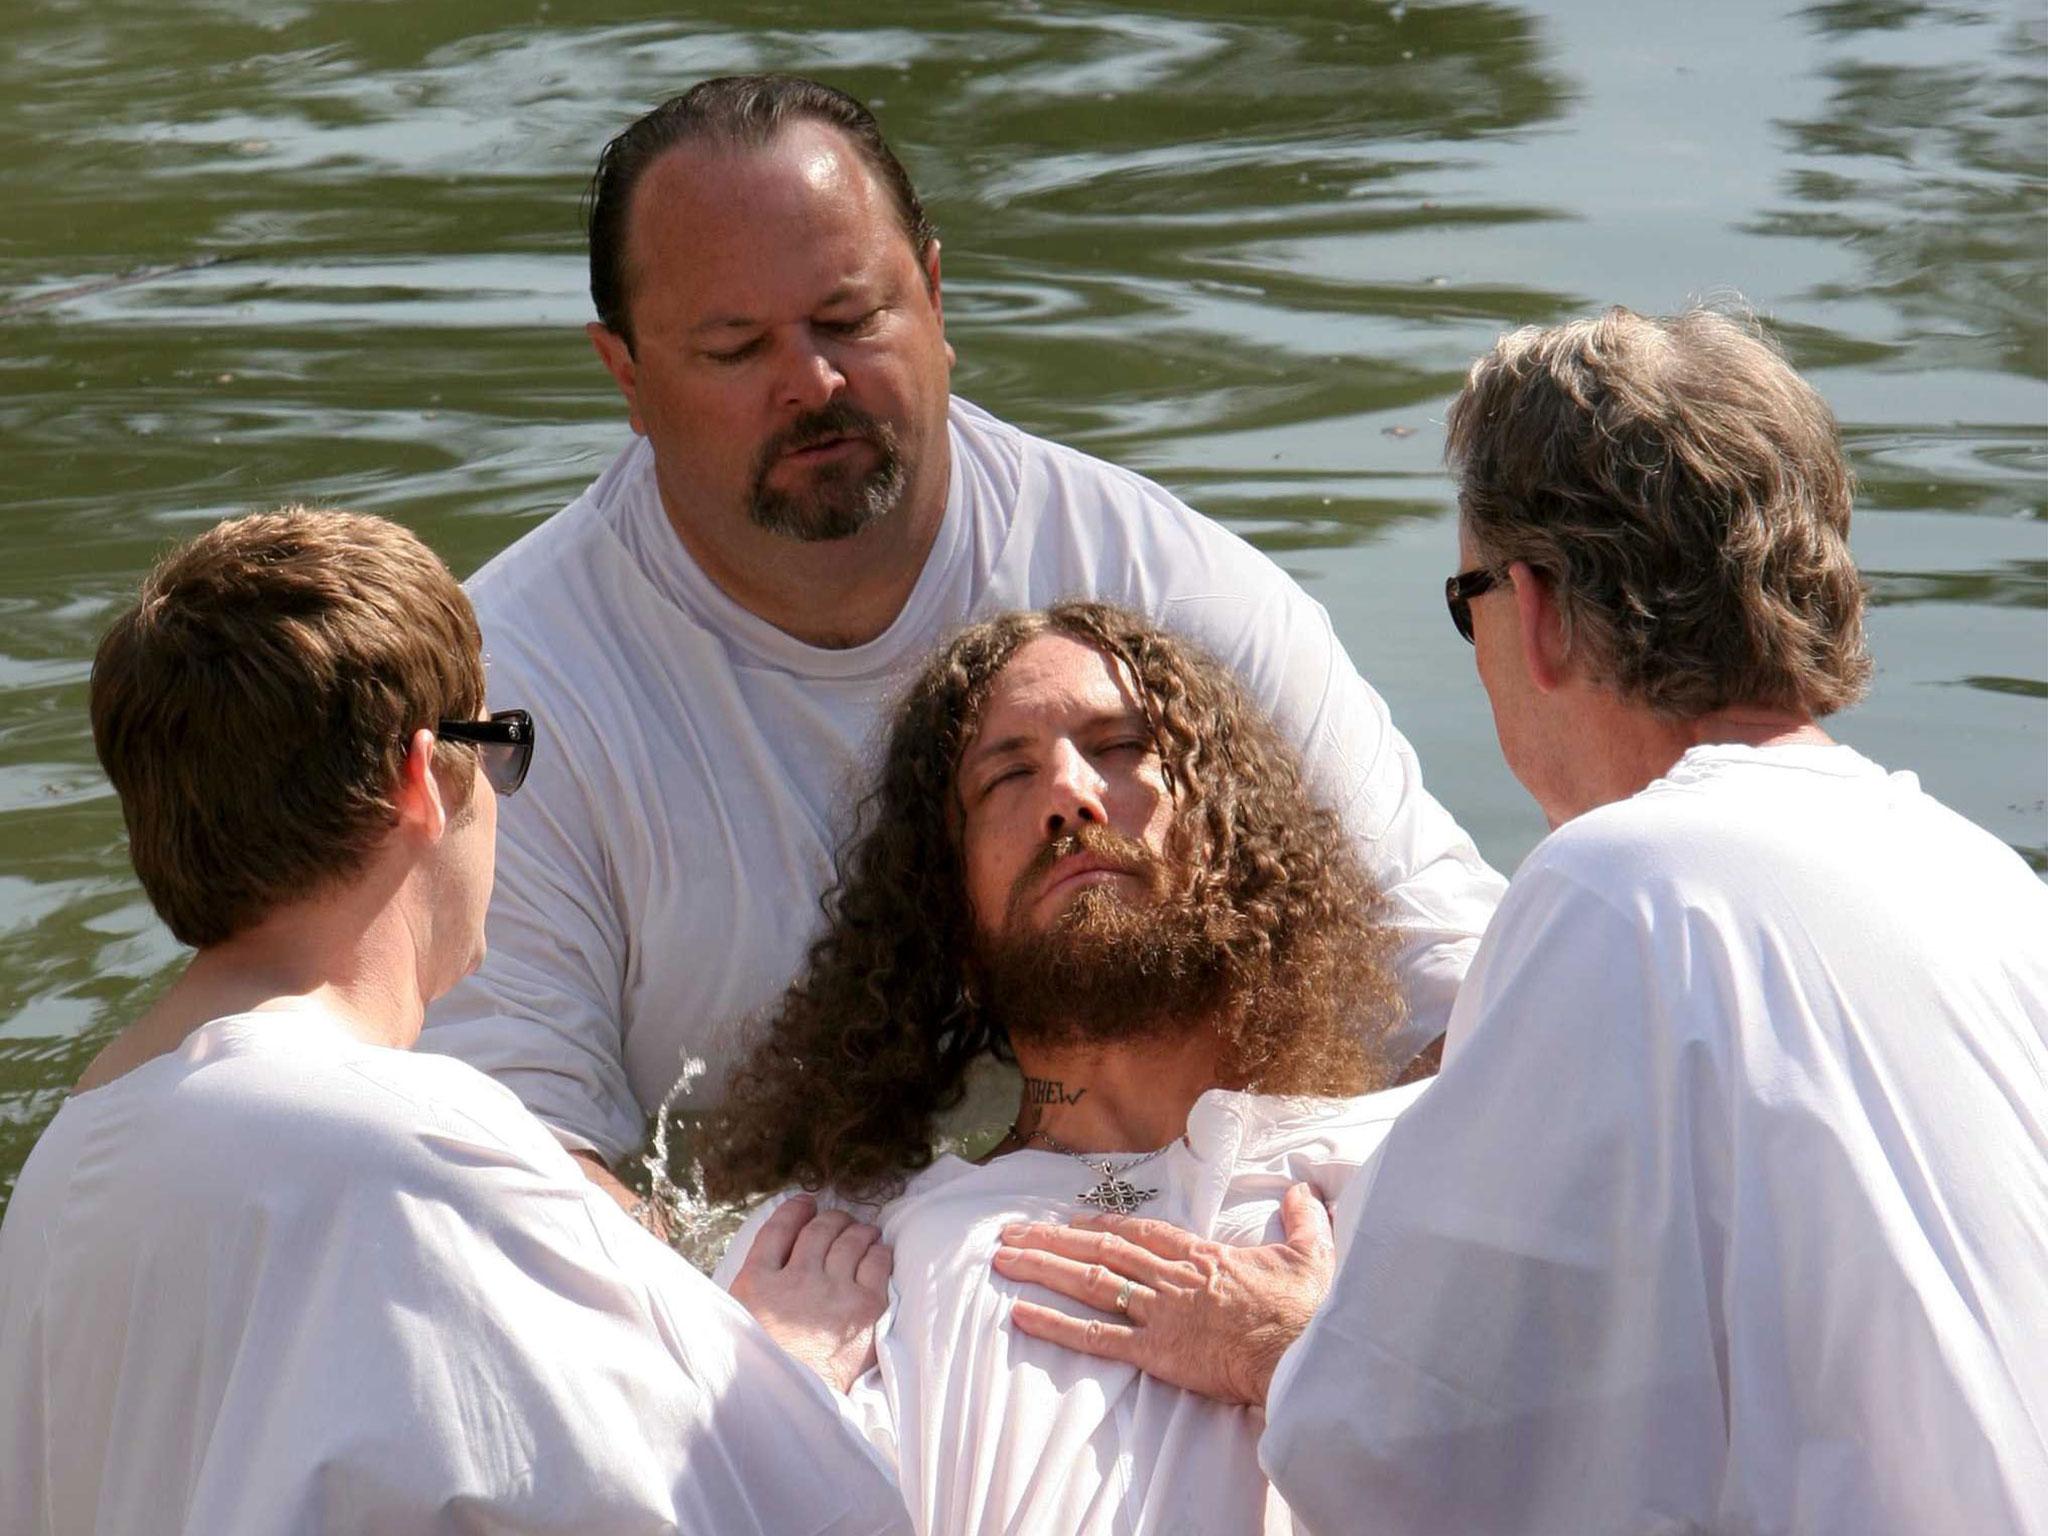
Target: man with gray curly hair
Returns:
[[1729, 1211]]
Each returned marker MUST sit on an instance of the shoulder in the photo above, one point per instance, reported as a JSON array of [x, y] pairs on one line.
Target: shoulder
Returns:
[[1768, 828], [528, 566], [1281, 1120], [1323, 1140], [990, 440], [336, 1121], [574, 626], [424, 1099], [1062, 488], [1685, 834], [289, 1135], [1067, 524], [1626, 846], [1596, 893]]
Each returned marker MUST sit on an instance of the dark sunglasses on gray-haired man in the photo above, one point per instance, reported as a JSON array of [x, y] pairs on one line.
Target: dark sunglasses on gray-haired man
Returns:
[[1459, 590]]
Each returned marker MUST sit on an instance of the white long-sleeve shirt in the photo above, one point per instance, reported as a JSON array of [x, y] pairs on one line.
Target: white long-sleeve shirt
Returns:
[[281, 1281], [994, 1432], [1729, 1210], [659, 873]]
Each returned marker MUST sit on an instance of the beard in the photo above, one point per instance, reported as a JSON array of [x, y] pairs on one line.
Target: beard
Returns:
[[839, 500], [1108, 968]]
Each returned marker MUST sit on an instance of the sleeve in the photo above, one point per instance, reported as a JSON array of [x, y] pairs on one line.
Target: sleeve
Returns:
[[543, 1014], [1440, 893], [500, 1348], [1523, 1332]]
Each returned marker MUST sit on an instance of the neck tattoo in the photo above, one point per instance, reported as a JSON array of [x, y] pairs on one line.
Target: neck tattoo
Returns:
[[1050, 1090]]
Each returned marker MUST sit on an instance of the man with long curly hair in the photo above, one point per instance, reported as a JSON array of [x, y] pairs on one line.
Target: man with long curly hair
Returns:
[[1086, 853]]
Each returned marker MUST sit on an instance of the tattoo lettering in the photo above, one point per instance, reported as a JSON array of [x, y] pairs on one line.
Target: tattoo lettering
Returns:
[[1050, 1090]]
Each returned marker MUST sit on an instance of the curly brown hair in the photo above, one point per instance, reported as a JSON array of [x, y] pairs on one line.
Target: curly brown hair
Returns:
[[874, 1041]]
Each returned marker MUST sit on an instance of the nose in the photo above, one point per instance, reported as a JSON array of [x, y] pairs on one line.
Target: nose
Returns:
[[1074, 792], [811, 377]]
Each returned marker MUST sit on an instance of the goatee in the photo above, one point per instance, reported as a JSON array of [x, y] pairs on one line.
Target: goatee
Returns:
[[839, 499], [1110, 967]]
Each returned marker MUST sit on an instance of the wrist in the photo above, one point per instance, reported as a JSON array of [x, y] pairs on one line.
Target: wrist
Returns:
[[1263, 1349]]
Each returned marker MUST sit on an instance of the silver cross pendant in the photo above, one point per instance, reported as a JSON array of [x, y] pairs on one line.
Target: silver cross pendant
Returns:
[[1116, 1196]]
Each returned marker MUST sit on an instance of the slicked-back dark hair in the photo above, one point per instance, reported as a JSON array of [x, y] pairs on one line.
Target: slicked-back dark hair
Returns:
[[737, 112]]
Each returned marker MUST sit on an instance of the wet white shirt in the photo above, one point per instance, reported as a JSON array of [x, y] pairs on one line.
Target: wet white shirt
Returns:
[[658, 876], [992, 1431], [283, 1281], [1729, 1211]]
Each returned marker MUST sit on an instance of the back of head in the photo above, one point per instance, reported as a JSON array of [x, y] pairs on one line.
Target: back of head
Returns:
[[736, 112], [252, 708], [1684, 491]]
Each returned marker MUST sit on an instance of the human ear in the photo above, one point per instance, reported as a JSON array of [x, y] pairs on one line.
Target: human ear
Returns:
[[617, 356], [931, 287], [421, 805], [1542, 627]]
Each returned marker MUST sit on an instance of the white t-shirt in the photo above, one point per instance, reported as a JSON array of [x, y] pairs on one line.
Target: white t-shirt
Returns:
[[659, 874], [1729, 1211], [283, 1281], [992, 1431]]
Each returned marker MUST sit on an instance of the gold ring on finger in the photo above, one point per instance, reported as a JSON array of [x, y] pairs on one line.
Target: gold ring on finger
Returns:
[[1123, 1296]]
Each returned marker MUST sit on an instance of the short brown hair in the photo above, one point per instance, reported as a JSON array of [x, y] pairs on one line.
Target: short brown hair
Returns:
[[252, 707], [875, 1040], [1685, 492]]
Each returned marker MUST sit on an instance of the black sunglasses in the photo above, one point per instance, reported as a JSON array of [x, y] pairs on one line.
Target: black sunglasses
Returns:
[[1459, 590], [504, 745]]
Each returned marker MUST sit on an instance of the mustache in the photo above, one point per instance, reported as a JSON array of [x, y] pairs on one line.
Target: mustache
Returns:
[[1125, 853], [841, 418]]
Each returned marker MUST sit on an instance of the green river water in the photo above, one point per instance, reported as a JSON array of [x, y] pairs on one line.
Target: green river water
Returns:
[[1246, 248]]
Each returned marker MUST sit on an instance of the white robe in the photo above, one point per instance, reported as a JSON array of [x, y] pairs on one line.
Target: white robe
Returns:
[[1729, 1211], [283, 1281], [992, 1431]]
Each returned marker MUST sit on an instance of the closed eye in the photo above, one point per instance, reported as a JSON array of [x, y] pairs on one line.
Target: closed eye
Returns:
[[857, 326], [1012, 775], [738, 354]]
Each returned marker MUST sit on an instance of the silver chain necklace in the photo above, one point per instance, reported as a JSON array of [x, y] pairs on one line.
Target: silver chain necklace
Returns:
[[1113, 1193]]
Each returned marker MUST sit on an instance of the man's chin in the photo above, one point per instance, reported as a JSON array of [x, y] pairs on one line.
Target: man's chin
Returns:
[[1088, 1025], [1105, 969], [813, 524], [824, 514]]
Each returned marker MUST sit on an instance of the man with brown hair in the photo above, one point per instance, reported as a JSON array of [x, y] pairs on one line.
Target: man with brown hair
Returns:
[[1088, 853], [268, 1270], [1729, 1211]]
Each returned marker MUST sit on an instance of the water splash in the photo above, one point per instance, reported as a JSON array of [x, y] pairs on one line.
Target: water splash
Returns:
[[698, 1229]]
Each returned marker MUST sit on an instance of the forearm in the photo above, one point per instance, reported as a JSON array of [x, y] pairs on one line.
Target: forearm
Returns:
[[599, 1172], [636, 1206]]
